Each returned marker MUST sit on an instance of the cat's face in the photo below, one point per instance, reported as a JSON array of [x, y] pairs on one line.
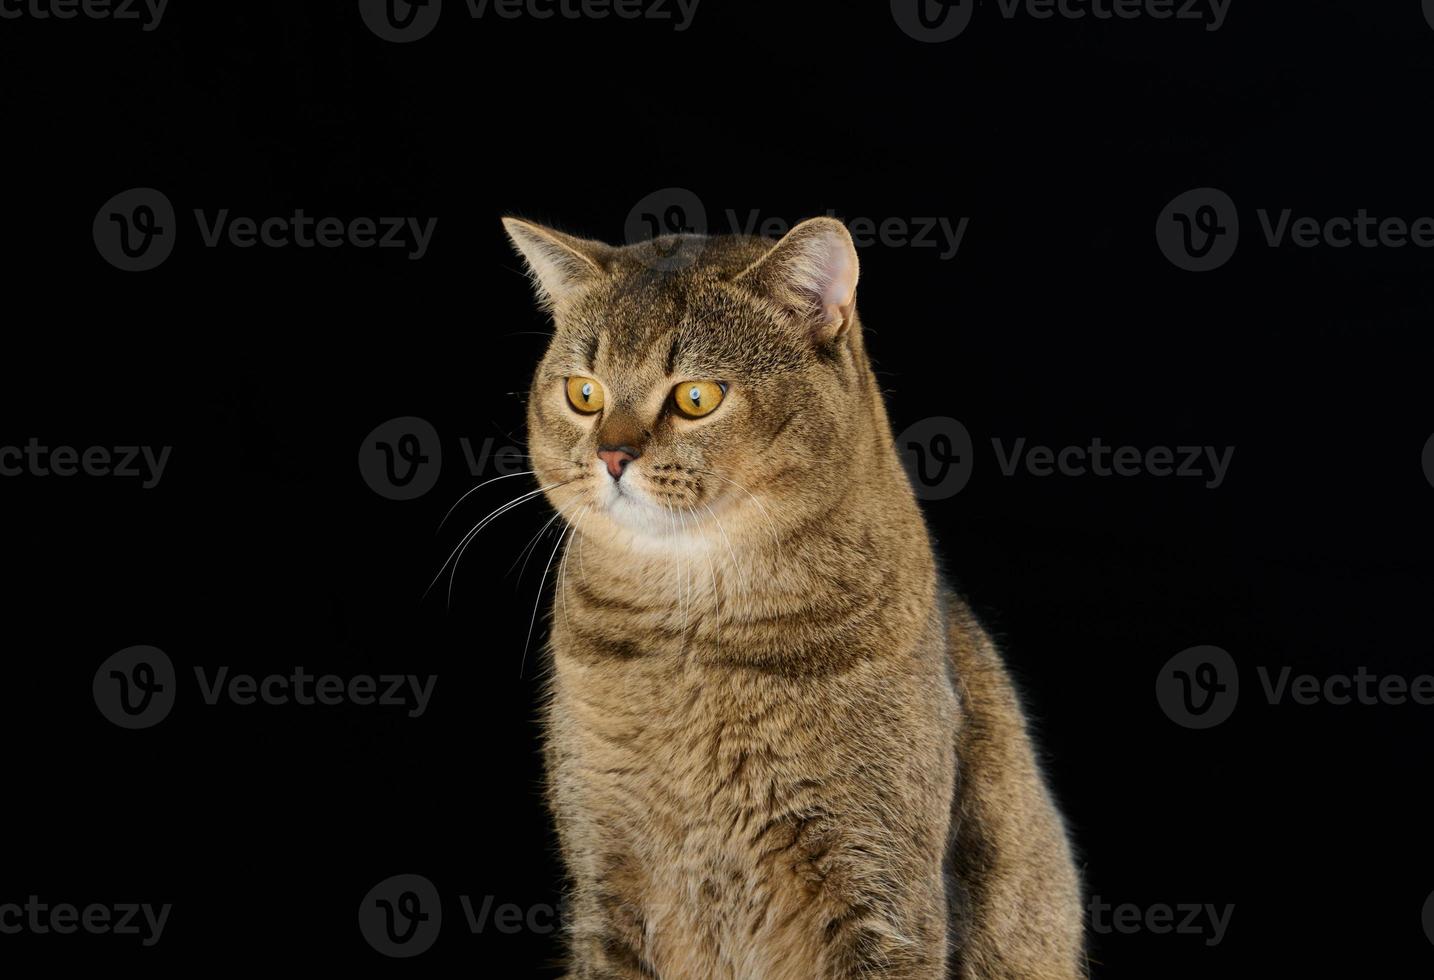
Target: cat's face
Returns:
[[666, 399]]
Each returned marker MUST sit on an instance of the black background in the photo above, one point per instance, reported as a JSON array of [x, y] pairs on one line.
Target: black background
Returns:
[[1059, 321]]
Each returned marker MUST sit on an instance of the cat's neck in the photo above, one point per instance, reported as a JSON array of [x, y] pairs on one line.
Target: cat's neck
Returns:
[[759, 590]]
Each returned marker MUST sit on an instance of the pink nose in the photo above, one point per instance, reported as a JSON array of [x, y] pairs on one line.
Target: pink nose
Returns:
[[617, 459]]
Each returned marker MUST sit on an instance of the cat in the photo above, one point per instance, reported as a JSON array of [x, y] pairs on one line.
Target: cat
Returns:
[[777, 746]]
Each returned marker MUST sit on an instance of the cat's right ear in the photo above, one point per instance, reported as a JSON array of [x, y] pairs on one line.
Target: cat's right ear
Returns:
[[559, 264]]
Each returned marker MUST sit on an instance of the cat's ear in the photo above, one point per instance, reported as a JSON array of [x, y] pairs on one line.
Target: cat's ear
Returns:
[[559, 264], [811, 271]]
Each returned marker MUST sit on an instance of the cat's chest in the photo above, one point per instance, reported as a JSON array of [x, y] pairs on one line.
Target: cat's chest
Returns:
[[702, 748]]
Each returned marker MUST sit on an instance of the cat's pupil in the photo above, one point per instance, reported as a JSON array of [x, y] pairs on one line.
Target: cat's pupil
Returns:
[[587, 391], [696, 395]]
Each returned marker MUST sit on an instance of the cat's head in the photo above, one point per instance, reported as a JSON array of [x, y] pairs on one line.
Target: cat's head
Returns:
[[732, 382]]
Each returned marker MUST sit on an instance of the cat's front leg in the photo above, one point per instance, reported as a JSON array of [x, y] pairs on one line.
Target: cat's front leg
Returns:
[[605, 938], [862, 945], [880, 904]]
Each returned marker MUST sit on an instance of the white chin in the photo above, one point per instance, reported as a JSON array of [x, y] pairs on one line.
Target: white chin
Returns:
[[634, 511]]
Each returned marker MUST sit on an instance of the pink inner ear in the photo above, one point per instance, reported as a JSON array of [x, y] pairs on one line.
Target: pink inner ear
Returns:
[[838, 272]]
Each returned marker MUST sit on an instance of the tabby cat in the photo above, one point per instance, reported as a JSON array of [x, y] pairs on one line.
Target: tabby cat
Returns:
[[778, 747]]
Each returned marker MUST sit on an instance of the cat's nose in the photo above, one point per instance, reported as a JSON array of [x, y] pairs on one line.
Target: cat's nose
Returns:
[[616, 458]]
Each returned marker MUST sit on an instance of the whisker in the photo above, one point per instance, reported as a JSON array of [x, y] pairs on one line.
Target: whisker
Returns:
[[563, 565], [539, 601], [475, 490], [775, 537], [711, 570], [458, 551], [730, 550], [533, 541]]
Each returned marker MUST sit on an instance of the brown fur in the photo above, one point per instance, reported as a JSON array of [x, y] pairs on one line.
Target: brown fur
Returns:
[[777, 747]]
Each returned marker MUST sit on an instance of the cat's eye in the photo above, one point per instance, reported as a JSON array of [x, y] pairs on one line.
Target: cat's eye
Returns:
[[695, 399], [585, 395]]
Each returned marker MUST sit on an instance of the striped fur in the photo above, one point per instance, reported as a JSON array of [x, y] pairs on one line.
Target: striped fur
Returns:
[[778, 748]]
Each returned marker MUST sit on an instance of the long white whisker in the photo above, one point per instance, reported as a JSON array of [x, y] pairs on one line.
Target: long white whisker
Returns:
[[711, 569], [775, 538], [537, 602], [531, 546], [475, 490], [457, 552], [563, 565], [730, 550]]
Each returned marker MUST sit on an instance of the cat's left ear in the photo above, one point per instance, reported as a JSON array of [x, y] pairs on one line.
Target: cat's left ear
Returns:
[[812, 271], [560, 264]]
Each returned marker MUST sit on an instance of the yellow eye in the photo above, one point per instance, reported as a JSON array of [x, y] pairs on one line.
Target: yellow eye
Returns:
[[585, 395], [695, 399]]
